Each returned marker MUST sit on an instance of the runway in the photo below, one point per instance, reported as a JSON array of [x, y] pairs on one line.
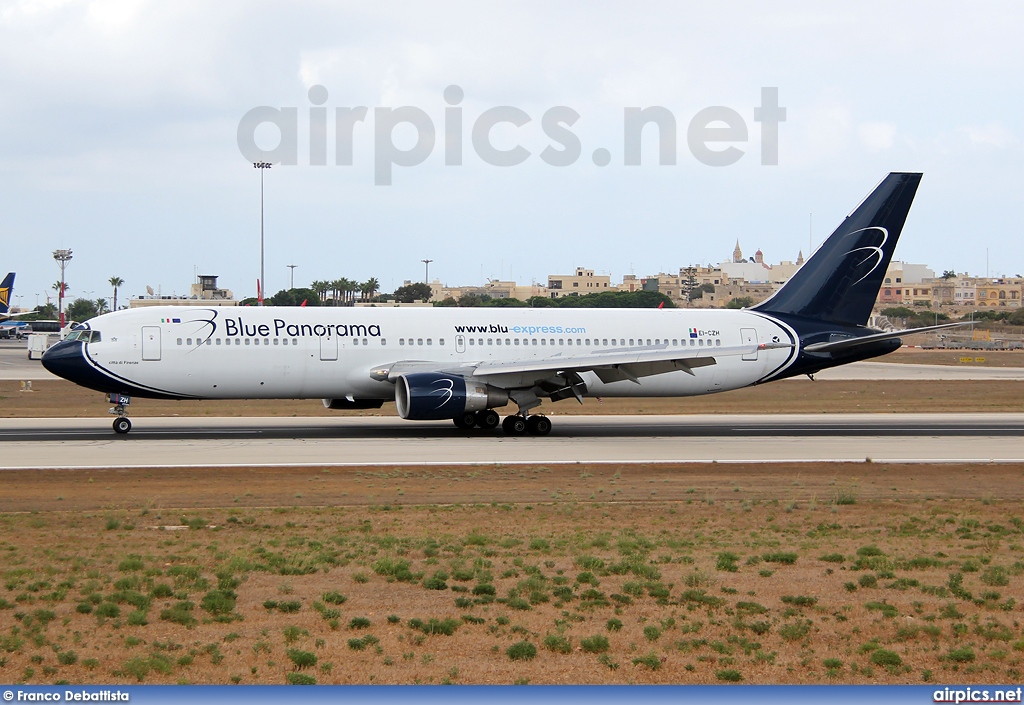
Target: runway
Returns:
[[359, 441]]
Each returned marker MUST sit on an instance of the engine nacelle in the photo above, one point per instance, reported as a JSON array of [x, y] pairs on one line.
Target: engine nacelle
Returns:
[[350, 403], [432, 396]]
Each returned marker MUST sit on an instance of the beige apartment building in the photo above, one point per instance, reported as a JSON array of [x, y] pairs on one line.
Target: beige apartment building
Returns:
[[583, 282]]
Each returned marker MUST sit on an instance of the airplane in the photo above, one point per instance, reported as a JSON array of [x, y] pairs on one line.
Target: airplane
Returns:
[[463, 363], [6, 292]]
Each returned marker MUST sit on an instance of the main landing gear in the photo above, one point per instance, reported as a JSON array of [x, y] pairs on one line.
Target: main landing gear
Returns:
[[513, 425], [122, 424]]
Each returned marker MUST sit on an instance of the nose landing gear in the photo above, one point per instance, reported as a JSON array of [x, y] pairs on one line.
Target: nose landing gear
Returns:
[[122, 424]]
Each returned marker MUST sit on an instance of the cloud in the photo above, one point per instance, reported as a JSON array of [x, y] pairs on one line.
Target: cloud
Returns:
[[876, 136], [990, 135]]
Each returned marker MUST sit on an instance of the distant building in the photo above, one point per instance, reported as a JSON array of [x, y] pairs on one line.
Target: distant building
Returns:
[[583, 282], [205, 292]]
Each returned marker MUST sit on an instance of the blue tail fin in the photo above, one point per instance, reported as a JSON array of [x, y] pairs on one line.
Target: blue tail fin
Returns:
[[840, 282], [6, 291]]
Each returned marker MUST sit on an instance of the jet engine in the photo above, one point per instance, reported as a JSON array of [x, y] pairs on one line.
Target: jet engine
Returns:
[[430, 396]]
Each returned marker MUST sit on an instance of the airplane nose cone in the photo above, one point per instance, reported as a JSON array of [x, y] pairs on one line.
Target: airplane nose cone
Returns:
[[65, 359]]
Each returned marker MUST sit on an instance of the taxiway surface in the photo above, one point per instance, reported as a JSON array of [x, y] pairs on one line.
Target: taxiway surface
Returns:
[[255, 442]]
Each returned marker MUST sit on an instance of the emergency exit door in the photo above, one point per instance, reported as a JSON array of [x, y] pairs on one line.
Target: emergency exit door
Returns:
[[749, 336]]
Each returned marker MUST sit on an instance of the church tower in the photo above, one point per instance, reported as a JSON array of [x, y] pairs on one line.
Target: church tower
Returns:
[[737, 254]]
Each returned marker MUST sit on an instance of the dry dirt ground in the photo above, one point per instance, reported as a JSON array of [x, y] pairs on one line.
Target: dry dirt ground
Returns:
[[860, 573]]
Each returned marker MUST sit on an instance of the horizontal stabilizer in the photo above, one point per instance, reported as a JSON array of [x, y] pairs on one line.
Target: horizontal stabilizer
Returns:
[[857, 341]]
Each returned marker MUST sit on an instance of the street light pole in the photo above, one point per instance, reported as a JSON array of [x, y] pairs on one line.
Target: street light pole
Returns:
[[292, 267], [62, 257], [263, 285], [426, 270]]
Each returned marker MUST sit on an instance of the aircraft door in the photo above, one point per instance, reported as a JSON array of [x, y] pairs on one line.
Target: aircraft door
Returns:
[[460, 343], [749, 336], [150, 342], [329, 347]]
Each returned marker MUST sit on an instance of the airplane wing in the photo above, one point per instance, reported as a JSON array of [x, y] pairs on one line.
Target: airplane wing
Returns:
[[611, 365]]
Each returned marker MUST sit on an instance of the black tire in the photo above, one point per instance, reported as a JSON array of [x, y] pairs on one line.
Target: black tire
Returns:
[[514, 425], [465, 420], [488, 418], [122, 425], [538, 425]]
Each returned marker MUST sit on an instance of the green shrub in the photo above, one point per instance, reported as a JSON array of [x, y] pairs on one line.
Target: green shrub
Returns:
[[588, 562], [67, 658], [833, 558], [137, 618], [996, 576], [794, 631], [727, 562], [162, 590], [729, 675], [180, 613], [289, 607], [435, 583], [302, 659], [652, 633], [359, 623], [296, 678], [130, 563], [780, 557], [218, 602], [83, 607], [141, 666], [869, 551], [964, 654], [597, 644], [335, 598], [884, 657], [108, 610], [800, 600], [868, 580], [521, 651], [484, 589], [832, 663], [885, 608], [613, 625], [557, 643], [651, 661], [446, 627]]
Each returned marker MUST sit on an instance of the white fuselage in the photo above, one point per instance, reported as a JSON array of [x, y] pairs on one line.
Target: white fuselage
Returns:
[[319, 352]]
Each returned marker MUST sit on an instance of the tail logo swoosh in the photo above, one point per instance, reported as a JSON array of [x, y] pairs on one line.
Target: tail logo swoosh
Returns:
[[873, 251]]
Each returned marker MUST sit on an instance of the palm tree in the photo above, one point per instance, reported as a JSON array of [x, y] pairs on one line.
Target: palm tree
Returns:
[[351, 287], [101, 306], [337, 287], [321, 288], [116, 282], [370, 288]]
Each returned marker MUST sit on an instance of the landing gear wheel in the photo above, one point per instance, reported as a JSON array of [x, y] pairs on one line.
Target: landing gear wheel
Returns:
[[514, 425], [467, 420], [122, 425], [538, 425], [488, 418]]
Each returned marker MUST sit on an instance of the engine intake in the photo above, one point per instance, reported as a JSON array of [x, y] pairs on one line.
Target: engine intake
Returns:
[[431, 396]]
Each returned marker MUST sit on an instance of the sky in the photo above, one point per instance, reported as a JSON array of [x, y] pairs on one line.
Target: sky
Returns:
[[120, 129]]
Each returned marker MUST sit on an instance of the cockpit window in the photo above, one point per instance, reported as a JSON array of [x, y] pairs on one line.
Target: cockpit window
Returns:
[[84, 336]]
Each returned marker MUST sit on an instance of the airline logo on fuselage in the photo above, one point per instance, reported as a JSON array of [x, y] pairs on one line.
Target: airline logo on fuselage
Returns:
[[236, 327]]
